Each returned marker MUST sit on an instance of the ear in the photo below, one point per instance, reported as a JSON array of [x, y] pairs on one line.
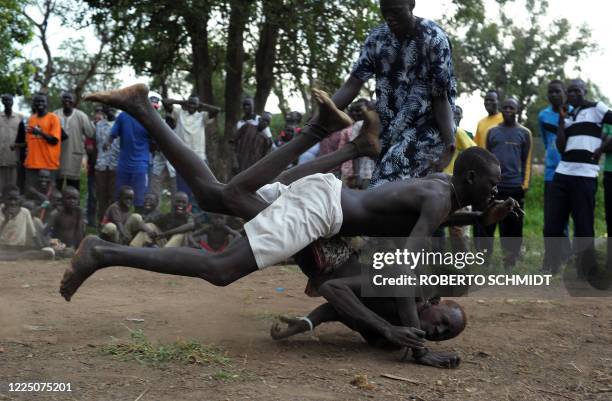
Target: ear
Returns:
[[471, 177]]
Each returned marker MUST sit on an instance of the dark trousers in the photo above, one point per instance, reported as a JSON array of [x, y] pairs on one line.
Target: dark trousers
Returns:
[[510, 229], [91, 199], [573, 196], [105, 191], [562, 244], [69, 183]]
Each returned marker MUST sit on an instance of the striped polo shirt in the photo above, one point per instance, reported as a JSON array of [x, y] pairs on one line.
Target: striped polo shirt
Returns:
[[583, 128]]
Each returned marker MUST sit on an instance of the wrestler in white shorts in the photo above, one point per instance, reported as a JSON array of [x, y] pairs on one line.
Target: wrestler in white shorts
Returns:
[[299, 214]]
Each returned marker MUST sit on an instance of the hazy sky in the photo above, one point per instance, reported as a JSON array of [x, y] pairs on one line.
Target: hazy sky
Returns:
[[597, 67]]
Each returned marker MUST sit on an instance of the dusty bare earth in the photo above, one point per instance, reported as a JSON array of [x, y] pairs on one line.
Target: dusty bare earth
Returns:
[[559, 349]]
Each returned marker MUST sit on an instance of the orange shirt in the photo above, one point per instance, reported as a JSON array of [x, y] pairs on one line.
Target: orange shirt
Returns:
[[41, 154]]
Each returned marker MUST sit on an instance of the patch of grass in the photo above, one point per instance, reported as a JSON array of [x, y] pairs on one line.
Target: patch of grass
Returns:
[[534, 209], [264, 316], [141, 349], [291, 269]]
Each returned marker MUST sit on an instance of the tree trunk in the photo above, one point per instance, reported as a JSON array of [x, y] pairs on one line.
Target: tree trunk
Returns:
[[197, 28], [283, 105], [239, 16], [265, 57]]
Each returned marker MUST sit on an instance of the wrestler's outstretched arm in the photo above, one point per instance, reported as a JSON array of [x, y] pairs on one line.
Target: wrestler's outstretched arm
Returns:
[[343, 295], [495, 213]]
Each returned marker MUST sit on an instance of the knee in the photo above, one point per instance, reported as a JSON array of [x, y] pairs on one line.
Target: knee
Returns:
[[109, 229], [328, 288], [232, 196]]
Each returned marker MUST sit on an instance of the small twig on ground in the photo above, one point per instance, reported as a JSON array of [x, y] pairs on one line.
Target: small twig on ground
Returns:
[[143, 393], [403, 379], [541, 390], [572, 364]]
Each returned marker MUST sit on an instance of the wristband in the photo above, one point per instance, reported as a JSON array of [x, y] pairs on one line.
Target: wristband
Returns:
[[310, 324]]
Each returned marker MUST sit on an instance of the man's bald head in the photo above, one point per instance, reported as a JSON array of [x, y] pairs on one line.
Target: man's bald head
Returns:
[[442, 320], [397, 3], [576, 92], [7, 101], [398, 16]]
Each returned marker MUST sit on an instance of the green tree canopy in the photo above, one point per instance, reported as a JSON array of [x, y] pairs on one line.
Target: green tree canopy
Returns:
[[15, 31]]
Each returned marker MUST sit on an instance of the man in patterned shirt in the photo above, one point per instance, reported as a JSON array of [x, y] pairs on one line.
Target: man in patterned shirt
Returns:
[[411, 59]]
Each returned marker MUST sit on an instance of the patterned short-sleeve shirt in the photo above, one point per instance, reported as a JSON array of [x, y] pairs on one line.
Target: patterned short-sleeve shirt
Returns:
[[409, 73]]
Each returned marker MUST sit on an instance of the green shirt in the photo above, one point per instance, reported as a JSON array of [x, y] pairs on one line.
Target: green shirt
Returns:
[[607, 129]]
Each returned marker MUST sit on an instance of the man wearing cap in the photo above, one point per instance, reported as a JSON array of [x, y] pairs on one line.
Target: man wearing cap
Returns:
[[134, 153]]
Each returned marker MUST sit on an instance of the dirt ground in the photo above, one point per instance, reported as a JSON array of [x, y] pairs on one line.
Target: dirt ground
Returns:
[[525, 349]]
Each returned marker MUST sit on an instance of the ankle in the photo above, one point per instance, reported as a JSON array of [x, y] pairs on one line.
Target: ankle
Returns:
[[315, 130]]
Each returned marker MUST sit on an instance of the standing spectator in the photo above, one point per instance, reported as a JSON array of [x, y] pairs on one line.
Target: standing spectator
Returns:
[[251, 143], [77, 126], [548, 122], [134, 154], [292, 128], [163, 175], [191, 120], [458, 116], [43, 135], [463, 140], [350, 170], [511, 143], [575, 181], [249, 117], [107, 158], [9, 127], [459, 234], [330, 144], [607, 182], [494, 118], [411, 59]]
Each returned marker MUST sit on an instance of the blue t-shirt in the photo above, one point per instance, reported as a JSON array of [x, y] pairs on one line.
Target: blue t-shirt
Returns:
[[548, 122], [134, 154]]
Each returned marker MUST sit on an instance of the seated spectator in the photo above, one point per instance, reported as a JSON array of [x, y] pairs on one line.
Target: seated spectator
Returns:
[[214, 237], [150, 208], [67, 224], [118, 222], [41, 195], [19, 238], [167, 230]]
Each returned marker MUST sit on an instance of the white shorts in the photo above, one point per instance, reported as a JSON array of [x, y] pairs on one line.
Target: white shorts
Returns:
[[301, 213]]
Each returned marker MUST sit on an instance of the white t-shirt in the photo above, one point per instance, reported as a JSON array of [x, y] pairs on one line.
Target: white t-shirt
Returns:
[[191, 128]]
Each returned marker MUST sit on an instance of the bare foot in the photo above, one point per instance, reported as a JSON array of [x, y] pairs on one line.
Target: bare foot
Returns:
[[368, 142], [128, 99], [83, 265], [294, 326], [329, 116]]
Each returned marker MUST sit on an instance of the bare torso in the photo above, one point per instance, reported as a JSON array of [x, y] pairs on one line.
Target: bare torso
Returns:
[[392, 209]]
